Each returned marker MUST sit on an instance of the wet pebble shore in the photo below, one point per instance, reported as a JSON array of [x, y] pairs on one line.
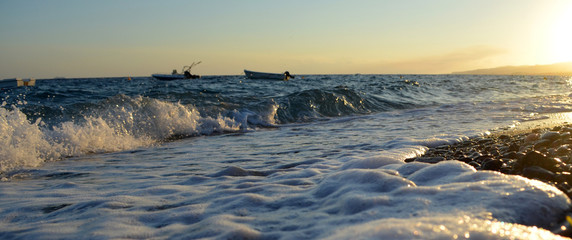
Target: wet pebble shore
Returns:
[[542, 154]]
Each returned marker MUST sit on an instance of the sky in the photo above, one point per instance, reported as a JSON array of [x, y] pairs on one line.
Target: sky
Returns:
[[108, 38]]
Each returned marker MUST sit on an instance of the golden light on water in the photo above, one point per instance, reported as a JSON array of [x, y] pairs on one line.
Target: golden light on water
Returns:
[[561, 118]]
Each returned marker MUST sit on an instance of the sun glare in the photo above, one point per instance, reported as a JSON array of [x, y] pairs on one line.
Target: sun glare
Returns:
[[561, 37]]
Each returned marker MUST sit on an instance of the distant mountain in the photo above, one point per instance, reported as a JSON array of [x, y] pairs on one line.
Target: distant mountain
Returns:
[[551, 69]]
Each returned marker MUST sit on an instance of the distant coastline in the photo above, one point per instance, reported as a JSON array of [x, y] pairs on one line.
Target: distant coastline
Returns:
[[561, 69]]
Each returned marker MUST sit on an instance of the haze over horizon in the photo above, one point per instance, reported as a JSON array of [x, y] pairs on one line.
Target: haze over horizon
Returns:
[[65, 38]]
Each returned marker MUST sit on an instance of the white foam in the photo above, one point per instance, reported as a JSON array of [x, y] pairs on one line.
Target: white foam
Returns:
[[21, 143], [393, 201], [442, 227], [125, 123]]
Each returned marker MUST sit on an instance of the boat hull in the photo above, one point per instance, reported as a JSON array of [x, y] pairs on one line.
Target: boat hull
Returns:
[[269, 76], [170, 77]]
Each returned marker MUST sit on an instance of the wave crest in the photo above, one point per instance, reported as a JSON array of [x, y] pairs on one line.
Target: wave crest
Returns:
[[116, 124]]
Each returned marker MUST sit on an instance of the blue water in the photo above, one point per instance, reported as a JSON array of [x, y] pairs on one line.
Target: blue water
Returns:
[[320, 156]]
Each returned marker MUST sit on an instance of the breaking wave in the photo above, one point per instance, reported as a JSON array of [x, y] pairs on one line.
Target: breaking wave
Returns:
[[117, 124]]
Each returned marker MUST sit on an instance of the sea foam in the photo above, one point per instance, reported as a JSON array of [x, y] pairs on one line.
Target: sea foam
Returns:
[[120, 123], [393, 200]]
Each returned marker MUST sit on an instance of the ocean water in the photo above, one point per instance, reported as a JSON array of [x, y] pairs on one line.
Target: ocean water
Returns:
[[224, 157]]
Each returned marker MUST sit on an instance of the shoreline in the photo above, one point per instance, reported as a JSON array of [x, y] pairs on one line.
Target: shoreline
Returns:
[[540, 150], [546, 121]]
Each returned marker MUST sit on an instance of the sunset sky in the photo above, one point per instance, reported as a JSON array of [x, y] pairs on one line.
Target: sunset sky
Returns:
[[76, 38]]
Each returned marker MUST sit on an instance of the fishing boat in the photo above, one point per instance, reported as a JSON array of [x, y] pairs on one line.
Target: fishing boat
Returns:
[[17, 82], [170, 77], [271, 76], [186, 74]]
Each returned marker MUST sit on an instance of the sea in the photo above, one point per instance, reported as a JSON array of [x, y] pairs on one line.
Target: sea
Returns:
[[316, 157]]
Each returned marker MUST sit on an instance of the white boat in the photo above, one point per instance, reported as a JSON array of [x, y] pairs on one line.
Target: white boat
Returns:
[[272, 76], [175, 75], [17, 82]]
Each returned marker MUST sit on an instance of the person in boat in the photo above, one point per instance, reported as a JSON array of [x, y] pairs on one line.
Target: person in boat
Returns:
[[188, 74], [287, 74], [174, 71]]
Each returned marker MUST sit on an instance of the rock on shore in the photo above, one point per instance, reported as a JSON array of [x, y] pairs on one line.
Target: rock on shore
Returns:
[[541, 154]]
